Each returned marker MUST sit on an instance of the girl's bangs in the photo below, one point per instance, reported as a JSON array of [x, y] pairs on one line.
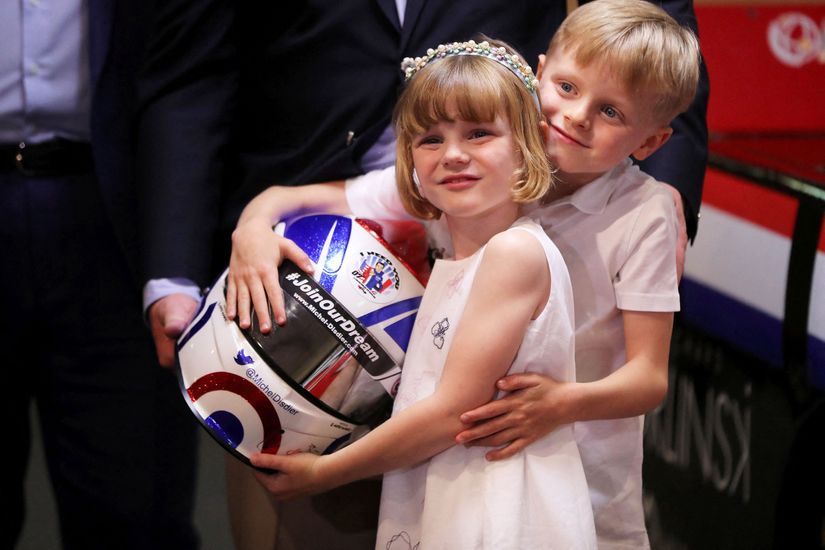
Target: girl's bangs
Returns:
[[468, 91]]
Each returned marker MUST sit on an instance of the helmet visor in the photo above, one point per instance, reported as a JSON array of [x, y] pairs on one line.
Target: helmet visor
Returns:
[[325, 353]]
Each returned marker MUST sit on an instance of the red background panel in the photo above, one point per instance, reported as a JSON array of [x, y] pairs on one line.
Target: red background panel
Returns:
[[751, 87], [765, 207], [822, 239]]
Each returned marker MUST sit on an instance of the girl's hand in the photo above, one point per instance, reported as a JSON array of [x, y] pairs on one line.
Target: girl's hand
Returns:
[[253, 272], [290, 476], [536, 406]]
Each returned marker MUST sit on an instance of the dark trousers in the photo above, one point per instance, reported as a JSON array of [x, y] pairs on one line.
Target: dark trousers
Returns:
[[120, 444]]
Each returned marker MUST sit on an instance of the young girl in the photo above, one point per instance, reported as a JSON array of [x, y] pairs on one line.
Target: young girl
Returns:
[[470, 148]]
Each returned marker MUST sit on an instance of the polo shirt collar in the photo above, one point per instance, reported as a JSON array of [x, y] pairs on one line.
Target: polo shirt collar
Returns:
[[593, 197]]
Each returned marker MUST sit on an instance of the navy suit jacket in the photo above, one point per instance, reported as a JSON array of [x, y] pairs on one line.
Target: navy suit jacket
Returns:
[[117, 30], [295, 92]]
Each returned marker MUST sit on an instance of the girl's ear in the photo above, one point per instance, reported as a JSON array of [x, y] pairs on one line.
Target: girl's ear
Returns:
[[652, 143]]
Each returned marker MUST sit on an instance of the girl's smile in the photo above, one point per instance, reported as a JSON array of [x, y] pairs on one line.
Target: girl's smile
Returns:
[[459, 181]]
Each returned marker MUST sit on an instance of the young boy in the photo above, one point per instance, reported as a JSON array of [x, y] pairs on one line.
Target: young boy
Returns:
[[614, 76]]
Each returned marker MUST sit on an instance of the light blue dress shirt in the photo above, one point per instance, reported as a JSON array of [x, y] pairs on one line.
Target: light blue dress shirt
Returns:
[[382, 152], [44, 71]]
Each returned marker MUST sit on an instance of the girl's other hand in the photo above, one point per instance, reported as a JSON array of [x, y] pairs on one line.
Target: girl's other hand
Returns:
[[288, 476], [253, 273]]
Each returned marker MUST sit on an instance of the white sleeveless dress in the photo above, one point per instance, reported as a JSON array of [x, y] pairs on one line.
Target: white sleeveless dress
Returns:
[[458, 500]]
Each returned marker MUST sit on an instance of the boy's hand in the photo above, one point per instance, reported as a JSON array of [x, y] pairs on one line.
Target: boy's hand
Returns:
[[253, 273], [534, 408], [291, 475]]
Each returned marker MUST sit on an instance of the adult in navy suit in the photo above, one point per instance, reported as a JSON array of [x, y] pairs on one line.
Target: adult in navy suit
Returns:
[[312, 93], [314, 84], [119, 444]]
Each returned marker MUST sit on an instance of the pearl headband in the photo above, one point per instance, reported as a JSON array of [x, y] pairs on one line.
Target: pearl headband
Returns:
[[499, 54]]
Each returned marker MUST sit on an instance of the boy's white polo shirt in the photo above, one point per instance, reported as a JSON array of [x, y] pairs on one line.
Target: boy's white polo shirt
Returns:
[[374, 196], [617, 235]]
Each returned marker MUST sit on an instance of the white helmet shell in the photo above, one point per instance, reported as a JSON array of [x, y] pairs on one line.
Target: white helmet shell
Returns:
[[332, 369]]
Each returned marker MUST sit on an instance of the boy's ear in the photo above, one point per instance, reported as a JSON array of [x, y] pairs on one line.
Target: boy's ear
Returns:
[[652, 143], [540, 67]]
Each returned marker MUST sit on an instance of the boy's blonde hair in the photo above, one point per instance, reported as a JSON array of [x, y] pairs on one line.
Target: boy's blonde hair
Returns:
[[479, 89], [641, 45]]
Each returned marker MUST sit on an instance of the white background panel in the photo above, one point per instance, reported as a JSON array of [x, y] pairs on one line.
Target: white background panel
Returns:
[[740, 259], [816, 317]]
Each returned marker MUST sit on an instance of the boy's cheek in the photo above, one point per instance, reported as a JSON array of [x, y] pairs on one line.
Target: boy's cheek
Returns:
[[550, 148], [546, 90], [546, 109]]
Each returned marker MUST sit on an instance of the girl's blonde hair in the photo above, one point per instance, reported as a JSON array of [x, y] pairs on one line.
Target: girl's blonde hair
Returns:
[[643, 47], [479, 89]]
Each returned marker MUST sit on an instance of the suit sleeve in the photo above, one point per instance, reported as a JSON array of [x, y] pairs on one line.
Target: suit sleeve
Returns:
[[186, 92], [682, 160]]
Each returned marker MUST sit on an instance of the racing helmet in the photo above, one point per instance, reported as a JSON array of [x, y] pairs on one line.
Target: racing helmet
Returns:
[[330, 373]]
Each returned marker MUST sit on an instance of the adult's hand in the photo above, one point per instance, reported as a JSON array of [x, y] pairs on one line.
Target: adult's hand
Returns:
[[682, 240], [168, 317]]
